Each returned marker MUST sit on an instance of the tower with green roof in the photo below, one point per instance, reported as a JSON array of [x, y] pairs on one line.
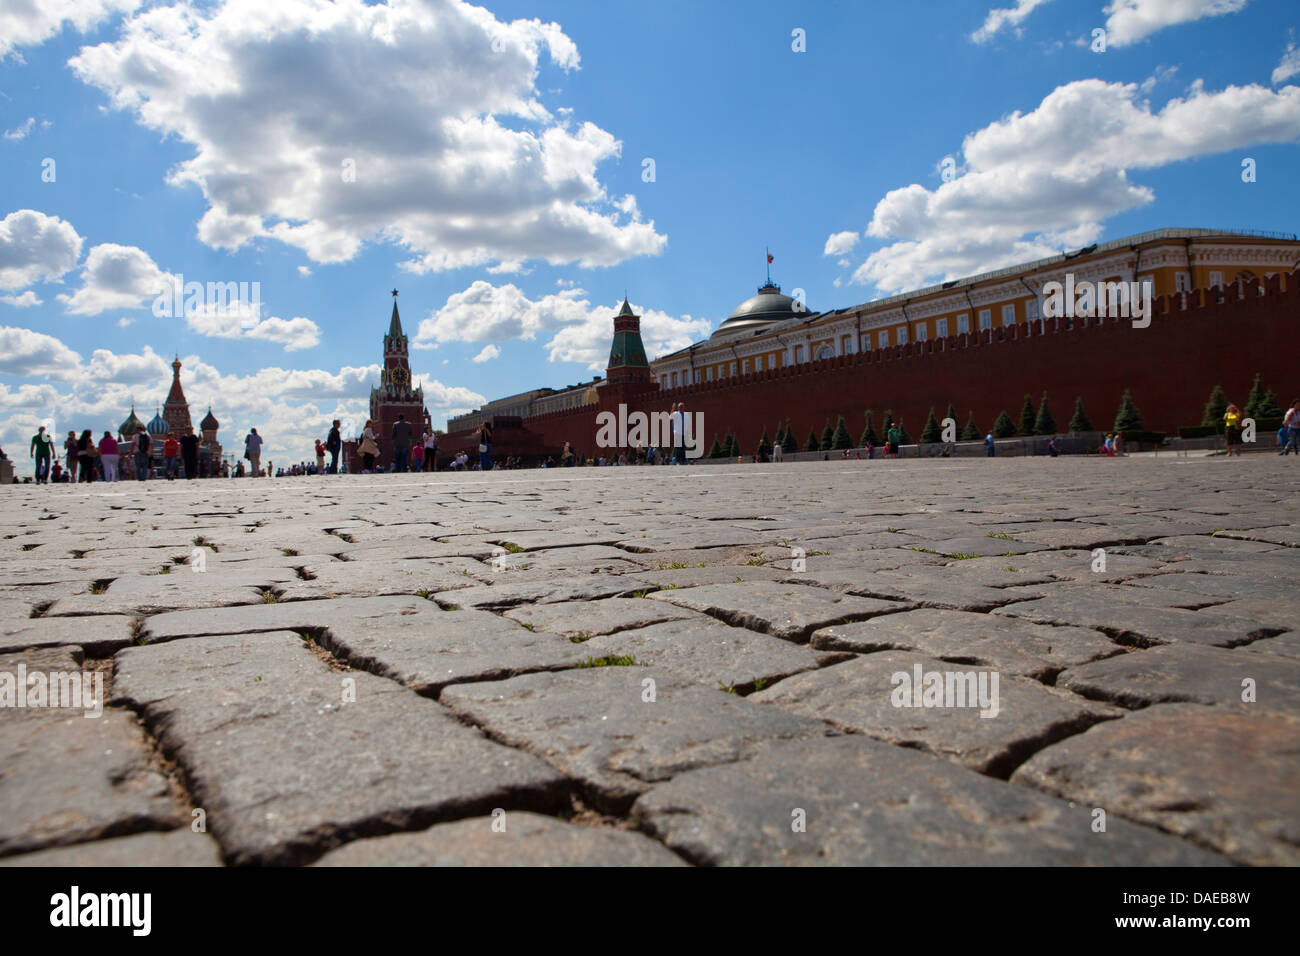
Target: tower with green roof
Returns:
[[627, 361]]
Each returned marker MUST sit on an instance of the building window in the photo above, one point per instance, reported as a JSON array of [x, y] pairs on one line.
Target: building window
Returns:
[[1009, 315], [846, 345], [922, 332], [866, 341], [1182, 282], [708, 373], [963, 324], [731, 372], [1216, 279], [901, 335], [1032, 310], [798, 354], [826, 352], [882, 339], [986, 319], [941, 328]]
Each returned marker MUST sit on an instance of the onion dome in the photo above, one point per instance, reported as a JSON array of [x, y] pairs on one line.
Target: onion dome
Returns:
[[209, 423], [131, 425], [158, 426], [762, 310]]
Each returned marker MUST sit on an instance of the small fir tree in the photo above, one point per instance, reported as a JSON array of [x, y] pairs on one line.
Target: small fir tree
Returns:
[[1215, 407], [1128, 418], [972, 431], [1004, 427], [715, 450], [841, 437], [790, 444], [869, 436], [1027, 417], [1044, 424], [931, 432], [828, 437], [1254, 399], [812, 444], [764, 449], [1269, 408], [1079, 420]]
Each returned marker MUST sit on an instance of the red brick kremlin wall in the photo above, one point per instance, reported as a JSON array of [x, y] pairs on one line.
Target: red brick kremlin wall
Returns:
[[1170, 368]]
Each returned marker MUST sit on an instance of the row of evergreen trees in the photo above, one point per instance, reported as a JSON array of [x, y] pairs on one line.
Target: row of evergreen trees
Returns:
[[1259, 405]]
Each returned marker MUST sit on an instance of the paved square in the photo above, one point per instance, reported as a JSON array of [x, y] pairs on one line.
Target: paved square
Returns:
[[1010, 662]]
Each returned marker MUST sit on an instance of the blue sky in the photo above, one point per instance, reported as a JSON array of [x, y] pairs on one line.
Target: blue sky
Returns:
[[500, 180]]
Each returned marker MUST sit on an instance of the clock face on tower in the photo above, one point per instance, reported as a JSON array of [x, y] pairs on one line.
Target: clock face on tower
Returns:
[[401, 376]]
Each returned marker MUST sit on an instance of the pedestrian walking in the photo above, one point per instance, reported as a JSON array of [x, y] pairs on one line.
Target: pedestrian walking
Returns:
[[1292, 425], [253, 452], [401, 443], [369, 448], [678, 418], [190, 455], [142, 443], [108, 456], [417, 457], [86, 455], [485, 447], [988, 445], [171, 457], [333, 444], [43, 451], [70, 456], [430, 451], [320, 457]]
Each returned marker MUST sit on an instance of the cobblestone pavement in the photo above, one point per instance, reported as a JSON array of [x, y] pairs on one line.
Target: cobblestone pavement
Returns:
[[659, 666]]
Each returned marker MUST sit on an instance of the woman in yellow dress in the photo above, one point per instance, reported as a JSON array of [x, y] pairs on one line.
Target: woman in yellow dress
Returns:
[[1232, 429]]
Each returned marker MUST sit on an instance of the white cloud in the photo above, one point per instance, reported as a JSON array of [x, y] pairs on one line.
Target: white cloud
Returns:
[[1128, 21], [1004, 17], [294, 334], [1038, 182], [29, 22], [443, 147], [36, 247], [841, 243], [35, 355], [24, 301], [304, 271], [487, 313], [1160, 75], [116, 277], [124, 322], [22, 129], [1288, 66], [488, 354]]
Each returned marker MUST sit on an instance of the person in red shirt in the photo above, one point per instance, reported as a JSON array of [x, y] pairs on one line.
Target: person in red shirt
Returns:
[[320, 457], [171, 456], [108, 456]]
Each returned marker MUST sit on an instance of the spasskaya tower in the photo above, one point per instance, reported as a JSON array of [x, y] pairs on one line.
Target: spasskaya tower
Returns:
[[396, 394]]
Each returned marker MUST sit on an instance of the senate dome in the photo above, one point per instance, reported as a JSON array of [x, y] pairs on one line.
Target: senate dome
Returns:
[[761, 311]]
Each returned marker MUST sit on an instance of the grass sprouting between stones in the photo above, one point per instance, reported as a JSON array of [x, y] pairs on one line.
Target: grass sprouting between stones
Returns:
[[581, 637], [625, 660]]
